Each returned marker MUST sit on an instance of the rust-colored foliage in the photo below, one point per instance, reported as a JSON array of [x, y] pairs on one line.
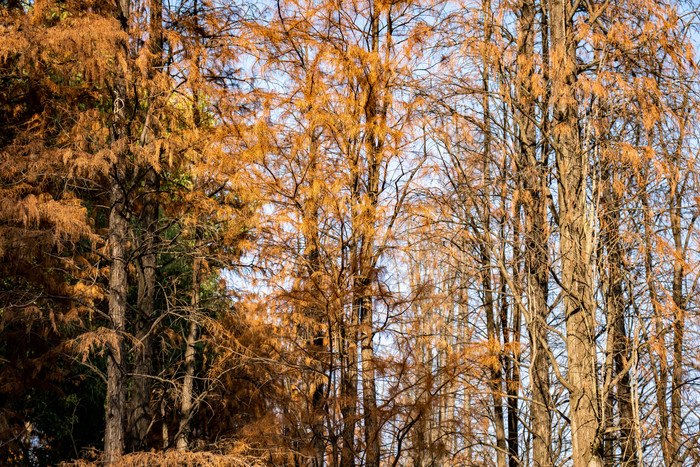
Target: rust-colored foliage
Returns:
[[347, 233]]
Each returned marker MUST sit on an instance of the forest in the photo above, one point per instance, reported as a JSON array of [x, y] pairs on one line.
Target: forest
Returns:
[[349, 233]]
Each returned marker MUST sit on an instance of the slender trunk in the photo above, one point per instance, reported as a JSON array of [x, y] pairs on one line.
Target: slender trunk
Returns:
[[363, 285], [678, 315], [494, 350], [628, 443], [369, 395], [116, 365], [660, 376], [534, 181], [496, 381], [164, 427], [445, 425], [139, 418], [513, 355], [118, 228], [316, 345], [575, 245], [348, 387], [618, 339], [139, 404], [318, 443], [613, 296], [187, 406], [349, 335]]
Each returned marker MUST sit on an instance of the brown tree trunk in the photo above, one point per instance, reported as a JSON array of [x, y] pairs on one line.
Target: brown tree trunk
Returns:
[[116, 364], [316, 344], [140, 415], [678, 313], [660, 374], [118, 282], [187, 405], [494, 345], [366, 224], [513, 356], [348, 387], [534, 181], [139, 419], [575, 244], [349, 333], [618, 339], [318, 443], [496, 381], [369, 396]]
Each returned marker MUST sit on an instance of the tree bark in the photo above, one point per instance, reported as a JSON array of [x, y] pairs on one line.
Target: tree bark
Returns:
[[116, 363], [617, 335], [660, 374], [534, 183], [140, 414], [118, 282], [187, 405], [374, 143], [139, 405], [575, 244], [348, 387], [493, 344], [513, 355], [678, 311], [317, 315]]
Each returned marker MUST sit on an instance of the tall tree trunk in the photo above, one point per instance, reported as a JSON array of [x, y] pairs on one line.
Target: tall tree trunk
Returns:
[[348, 386], [575, 244], [116, 364], [316, 344], [496, 381], [118, 228], [187, 406], [139, 418], [617, 336], [349, 331], [364, 304], [534, 182], [678, 310], [374, 144], [513, 355], [660, 373], [139, 404], [494, 345]]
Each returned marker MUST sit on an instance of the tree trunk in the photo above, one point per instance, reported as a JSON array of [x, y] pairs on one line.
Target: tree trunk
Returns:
[[575, 245], [494, 345], [139, 418], [617, 335], [348, 387], [534, 182], [363, 302], [118, 284], [116, 364], [660, 374], [678, 313], [316, 344], [365, 225], [513, 355], [187, 405], [139, 404]]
